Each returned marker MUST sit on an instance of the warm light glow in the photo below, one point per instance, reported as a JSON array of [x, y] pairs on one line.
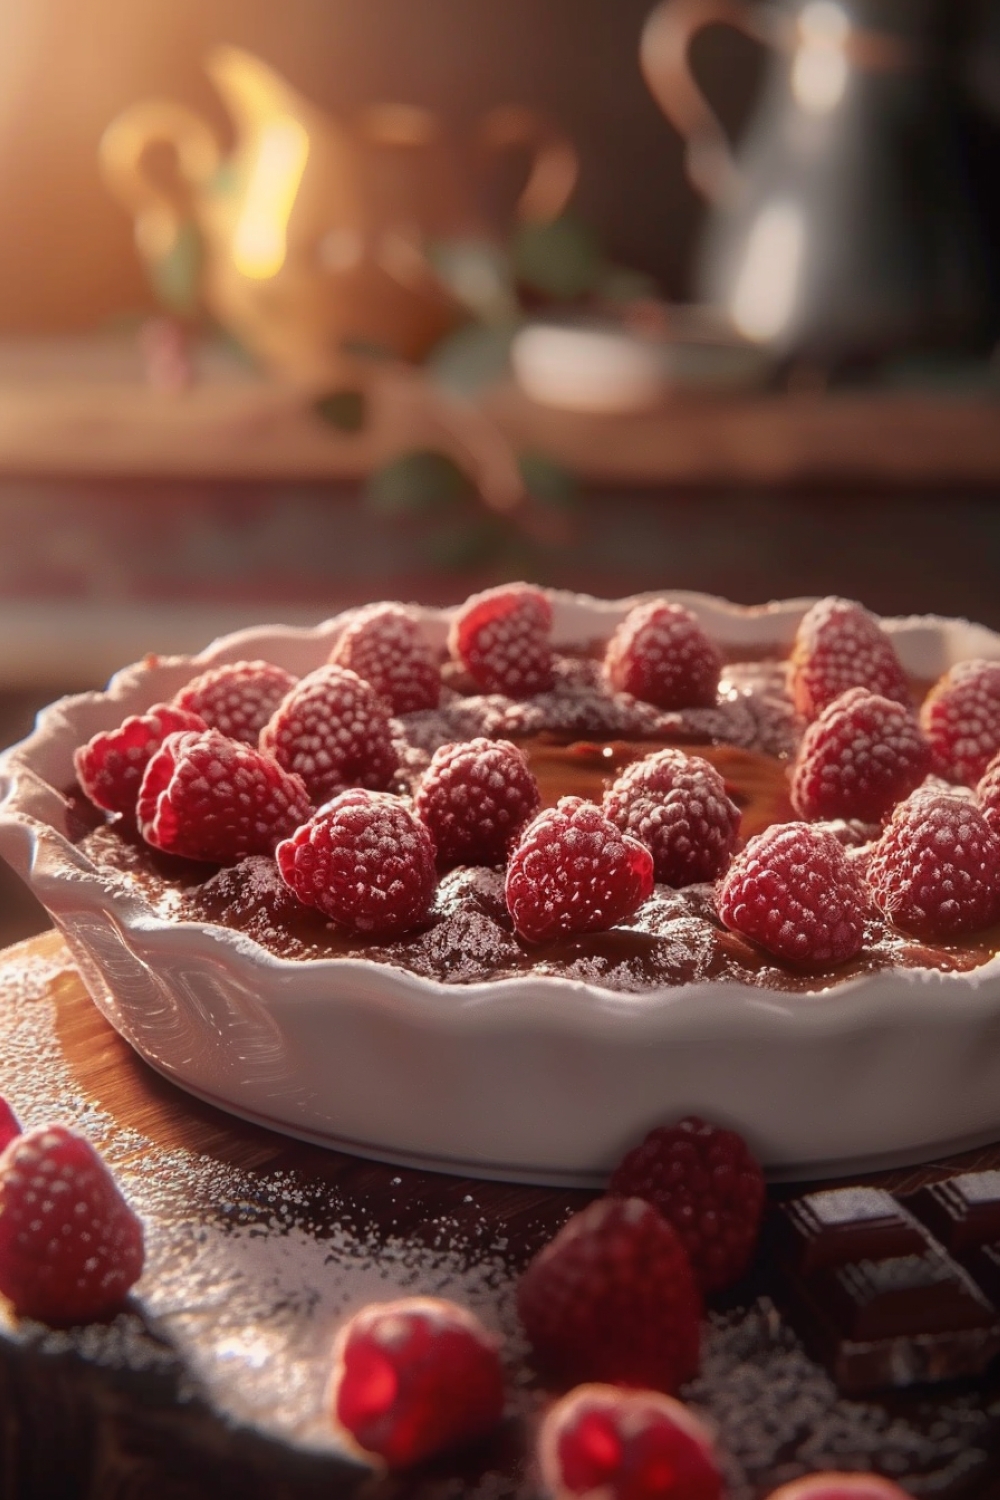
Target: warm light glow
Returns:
[[766, 288], [259, 242], [820, 67]]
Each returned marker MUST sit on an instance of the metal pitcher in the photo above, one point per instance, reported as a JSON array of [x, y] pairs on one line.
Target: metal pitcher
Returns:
[[841, 229]]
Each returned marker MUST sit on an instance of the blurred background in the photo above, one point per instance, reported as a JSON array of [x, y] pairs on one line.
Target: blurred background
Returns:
[[307, 304]]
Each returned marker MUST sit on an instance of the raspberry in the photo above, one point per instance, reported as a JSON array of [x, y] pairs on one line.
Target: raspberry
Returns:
[[415, 1377], [9, 1124], [475, 798], [626, 1445], [835, 1486], [988, 794], [861, 756], [573, 871], [613, 1298], [208, 797], [660, 653], [333, 730], [503, 638], [677, 806], [237, 698], [935, 872], [384, 645], [70, 1246], [110, 766], [365, 861], [794, 891], [961, 719], [704, 1182], [839, 645]]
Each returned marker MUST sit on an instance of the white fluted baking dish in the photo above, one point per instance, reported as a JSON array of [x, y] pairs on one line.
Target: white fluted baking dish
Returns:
[[532, 1079]]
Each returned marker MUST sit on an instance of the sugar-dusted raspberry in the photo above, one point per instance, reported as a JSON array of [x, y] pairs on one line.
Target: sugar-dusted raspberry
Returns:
[[935, 872], [475, 799], [961, 719], [988, 794], [110, 767], [839, 645], [832, 1485], [237, 698], [208, 797], [861, 756], [385, 646], [333, 730], [677, 806], [574, 871], [415, 1377], [705, 1182], [365, 861], [613, 1298], [660, 653], [626, 1445], [504, 639], [794, 891], [70, 1246], [10, 1126]]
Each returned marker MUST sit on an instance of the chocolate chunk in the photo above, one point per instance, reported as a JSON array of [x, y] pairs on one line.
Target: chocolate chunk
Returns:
[[845, 1224], [897, 1322], [908, 1294], [963, 1212]]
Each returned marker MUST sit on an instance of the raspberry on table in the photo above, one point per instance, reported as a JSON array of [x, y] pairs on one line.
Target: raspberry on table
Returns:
[[415, 1377], [840, 645], [832, 1485], [574, 871], [626, 1445], [334, 731], [110, 767], [935, 872], [365, 861], [237, 698], [862, 755], [705, 1182], [211, 798], [613, 1298], [475, 798], [660, 654], [961, 718], [503, 637], [794, 891], [677, 806], [384, 644], [10, 1126], [70, 1246]]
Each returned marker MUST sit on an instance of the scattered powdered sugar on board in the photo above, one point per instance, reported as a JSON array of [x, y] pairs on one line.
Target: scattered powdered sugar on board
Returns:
[[250, 1273]]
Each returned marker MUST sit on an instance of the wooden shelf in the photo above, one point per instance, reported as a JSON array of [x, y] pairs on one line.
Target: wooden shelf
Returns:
[[79, 408]]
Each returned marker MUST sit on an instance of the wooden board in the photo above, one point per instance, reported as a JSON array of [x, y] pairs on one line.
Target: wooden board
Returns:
[[81, 407], [213, 1381]]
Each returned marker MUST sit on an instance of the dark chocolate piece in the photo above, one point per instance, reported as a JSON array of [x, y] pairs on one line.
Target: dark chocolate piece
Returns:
[[845, 1224], [897, 1322], [983, 1264], [962, 1212]]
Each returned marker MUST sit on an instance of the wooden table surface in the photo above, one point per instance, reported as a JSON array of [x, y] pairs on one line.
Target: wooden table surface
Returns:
[[212, 1381]]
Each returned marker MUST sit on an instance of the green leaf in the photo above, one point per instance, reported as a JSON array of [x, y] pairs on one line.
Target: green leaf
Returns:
[[176, 276], [624, 284], [478, 274], [346, 410], [472, 358], [422, 482], [548, 482], [562, 259]]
